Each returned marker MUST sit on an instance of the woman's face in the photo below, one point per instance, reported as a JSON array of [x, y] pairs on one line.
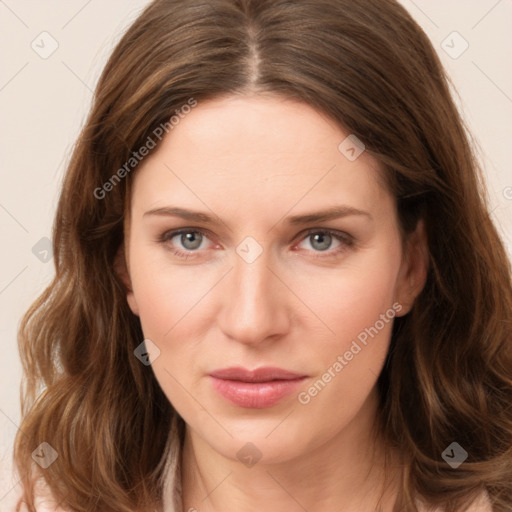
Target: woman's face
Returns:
[[289, 257]]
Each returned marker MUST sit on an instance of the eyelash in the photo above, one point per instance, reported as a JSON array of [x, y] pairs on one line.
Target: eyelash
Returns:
[[345, 240]]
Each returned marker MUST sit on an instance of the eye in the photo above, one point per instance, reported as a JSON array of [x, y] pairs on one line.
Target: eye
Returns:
[[188, 243], [184, 242], [321, 240], [190, 240]]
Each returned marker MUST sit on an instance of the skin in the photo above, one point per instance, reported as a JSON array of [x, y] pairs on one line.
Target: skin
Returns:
[[251, 162]]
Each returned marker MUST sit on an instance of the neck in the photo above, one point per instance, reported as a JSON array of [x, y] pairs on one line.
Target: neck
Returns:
[[348, 473]]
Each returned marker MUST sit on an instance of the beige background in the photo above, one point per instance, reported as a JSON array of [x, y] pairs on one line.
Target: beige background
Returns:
[[44, 101]]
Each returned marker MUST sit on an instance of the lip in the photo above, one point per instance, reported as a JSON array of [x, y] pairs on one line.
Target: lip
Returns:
[[256, 389]]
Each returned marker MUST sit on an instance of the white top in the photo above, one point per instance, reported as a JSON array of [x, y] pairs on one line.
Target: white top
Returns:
[[45, 503], [172, 502]]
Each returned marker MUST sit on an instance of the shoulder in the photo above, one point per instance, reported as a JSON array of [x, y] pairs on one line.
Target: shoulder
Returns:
[[481, 504], [44, 500]]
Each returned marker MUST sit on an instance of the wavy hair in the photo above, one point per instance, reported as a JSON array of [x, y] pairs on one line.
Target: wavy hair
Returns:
[[369, 67]]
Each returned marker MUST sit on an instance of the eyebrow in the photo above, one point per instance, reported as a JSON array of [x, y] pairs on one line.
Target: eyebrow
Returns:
[[334, 212]]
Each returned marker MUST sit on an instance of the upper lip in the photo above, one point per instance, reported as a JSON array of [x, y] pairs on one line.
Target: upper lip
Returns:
[[263, 374]]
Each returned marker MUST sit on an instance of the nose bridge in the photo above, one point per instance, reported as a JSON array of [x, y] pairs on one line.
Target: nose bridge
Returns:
[[255, 307], [253, 280]]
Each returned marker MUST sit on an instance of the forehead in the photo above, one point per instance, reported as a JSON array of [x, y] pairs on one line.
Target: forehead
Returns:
[[256, 152]]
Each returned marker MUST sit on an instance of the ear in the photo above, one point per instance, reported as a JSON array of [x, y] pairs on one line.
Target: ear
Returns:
[[121, 270], [413, 270]]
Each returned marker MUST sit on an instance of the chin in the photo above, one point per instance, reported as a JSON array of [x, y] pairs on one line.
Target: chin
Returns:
[[269, 441]]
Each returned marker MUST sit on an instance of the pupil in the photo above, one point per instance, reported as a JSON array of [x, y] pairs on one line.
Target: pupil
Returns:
[[324, 239], [191, 240]]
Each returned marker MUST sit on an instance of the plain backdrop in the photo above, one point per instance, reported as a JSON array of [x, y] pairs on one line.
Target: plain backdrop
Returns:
[[44, 100]]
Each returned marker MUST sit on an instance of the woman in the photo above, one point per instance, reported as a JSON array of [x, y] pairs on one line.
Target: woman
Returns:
[[277, 281]]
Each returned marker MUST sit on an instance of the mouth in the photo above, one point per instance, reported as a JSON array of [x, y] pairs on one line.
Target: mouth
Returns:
[[255, 389]]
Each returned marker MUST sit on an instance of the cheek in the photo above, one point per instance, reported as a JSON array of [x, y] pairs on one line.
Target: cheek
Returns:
[[171, 303], [357, 300], [166, 294], [353, 298], [358, 308]]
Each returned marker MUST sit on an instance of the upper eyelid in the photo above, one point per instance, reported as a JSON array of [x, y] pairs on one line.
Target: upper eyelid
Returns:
[[171, 233]]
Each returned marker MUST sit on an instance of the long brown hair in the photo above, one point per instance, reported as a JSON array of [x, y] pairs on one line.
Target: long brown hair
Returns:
[[370, 67]]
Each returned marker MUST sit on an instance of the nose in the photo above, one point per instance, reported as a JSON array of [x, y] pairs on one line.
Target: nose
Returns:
[[257, 304]]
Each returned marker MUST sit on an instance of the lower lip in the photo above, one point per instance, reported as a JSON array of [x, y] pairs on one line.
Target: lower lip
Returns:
[[255, 395]]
